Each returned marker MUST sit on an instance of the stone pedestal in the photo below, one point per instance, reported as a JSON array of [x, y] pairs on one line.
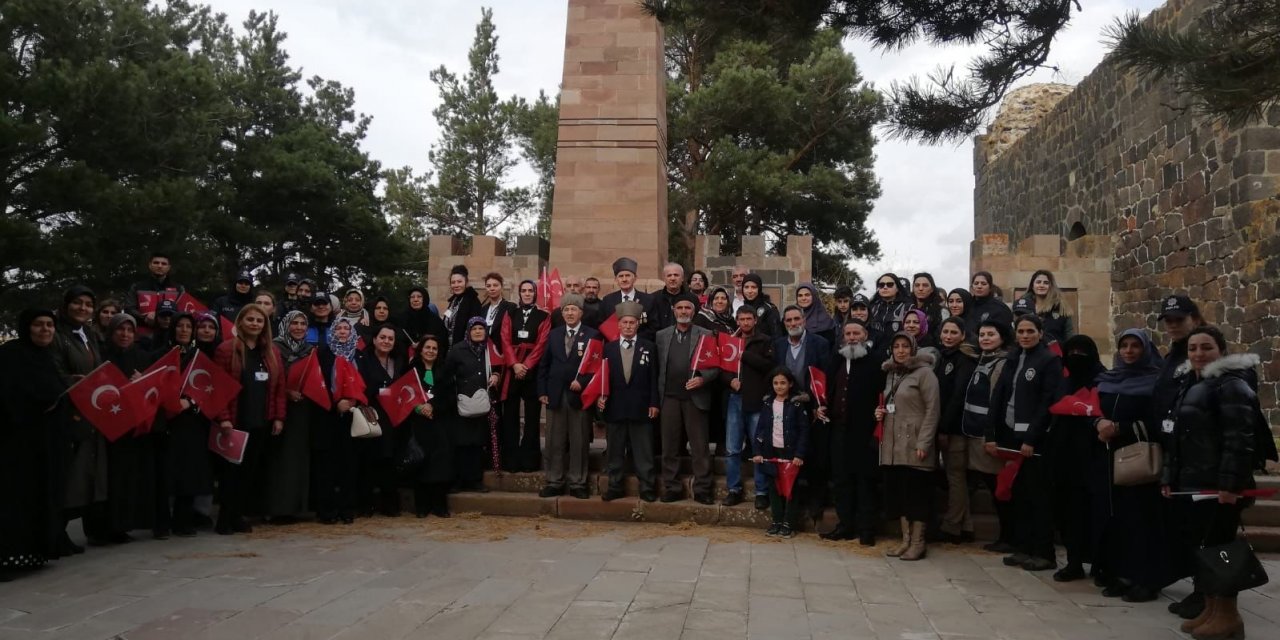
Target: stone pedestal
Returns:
[[611, 175]]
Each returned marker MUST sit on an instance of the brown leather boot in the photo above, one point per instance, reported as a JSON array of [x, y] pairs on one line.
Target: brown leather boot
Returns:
[[906, 540], [1224, 624], [1210, 603], [917, 549]]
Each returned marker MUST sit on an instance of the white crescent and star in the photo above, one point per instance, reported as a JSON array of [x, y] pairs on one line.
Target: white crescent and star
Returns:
[[733, 351], [152, 392], [413, 393], [93, 399], [217, 441], [196, 374]]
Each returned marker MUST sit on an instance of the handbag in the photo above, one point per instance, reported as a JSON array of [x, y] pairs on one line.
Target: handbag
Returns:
[[476, 404], [1138, 463], [364, 423], [1229, 568], [411, 458]]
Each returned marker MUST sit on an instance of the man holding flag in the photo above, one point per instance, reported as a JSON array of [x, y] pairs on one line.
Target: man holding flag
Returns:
[[745, 373], [631, 403], [686, 367], [572, 358], [800, 351]]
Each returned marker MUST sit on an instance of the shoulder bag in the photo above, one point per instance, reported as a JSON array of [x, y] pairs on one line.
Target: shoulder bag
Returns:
[[477, 404], [364, 422], [1229, 568], [1138, 463]]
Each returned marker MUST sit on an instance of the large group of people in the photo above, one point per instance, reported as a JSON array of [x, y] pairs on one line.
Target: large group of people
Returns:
[[896, 404]]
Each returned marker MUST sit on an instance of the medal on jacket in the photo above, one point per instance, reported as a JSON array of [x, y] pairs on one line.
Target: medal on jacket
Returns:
[[1166, 425]]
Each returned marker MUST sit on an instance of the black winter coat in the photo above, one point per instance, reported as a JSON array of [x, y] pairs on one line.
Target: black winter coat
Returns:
[[1215, 419], [954, 368], [757, 362], [461, 308], [988, 308], [1038, 386]]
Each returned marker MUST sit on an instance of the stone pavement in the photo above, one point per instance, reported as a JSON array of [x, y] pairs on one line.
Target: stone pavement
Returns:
[[513, 578]]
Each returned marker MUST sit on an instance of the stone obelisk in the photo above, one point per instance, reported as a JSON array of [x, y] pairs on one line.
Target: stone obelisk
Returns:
[[611, 170]]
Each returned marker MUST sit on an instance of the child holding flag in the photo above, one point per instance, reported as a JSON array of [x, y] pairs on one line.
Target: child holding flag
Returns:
[[781, 437]]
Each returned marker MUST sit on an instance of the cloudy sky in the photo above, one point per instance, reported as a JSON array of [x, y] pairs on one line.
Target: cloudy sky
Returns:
[[384, 50]]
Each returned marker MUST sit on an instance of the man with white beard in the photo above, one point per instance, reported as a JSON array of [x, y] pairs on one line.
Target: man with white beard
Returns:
[[854, 381]]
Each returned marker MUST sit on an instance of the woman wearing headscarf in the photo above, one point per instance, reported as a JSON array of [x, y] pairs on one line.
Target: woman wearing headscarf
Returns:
[[208, 333], [353, 309], [431, 426], [816, 318], [288, 490], [131, 482], [926, 297], [418, 320], [189, 469], [335, 462], [768, 320], [469, 370], [31, 522], [717, 315], [888, 306], [379, 365], [915, 323], [907, 450], [464, 304], [524, 341], [1072, 441], [76, 353], [1131, 548], [958, 303]]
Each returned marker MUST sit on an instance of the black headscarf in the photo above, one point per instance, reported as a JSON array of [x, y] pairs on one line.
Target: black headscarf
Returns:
[[1137, 379], [26, 318], [1083, 368], [420, 322], [964, 295]]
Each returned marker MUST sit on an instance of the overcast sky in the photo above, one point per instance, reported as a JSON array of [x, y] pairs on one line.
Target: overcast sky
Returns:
[[384, 50]]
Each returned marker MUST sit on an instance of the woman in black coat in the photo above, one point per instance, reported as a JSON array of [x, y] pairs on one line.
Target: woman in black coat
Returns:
[[335, 462], [889, 305], [131, 481], [189, 468], [464, 304], [1075, 464], [954, 368], [1212, 447], [469, 369], [288, 490], [985, 303], [379, 366], [431, 426], [418, 320], [30, 483], [768, 320]]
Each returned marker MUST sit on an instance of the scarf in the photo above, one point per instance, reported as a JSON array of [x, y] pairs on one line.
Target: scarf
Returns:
[[292, 350], [342, 349], [1082, 369], [1137, 379], [816, 318], [477, 348]]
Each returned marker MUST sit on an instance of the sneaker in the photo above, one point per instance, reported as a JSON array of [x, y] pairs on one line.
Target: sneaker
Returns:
[[1016, 560], [762, 502], [773, 530], [734, 498], [786, 532]]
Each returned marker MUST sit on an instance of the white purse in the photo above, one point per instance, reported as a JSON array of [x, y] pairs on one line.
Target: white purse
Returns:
[[364, 423]]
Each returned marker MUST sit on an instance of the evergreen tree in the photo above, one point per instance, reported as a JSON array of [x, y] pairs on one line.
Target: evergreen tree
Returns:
[[537, 131]]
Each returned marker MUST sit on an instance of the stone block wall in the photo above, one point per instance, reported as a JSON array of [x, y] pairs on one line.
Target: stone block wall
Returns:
[[1191, 205], [780, 273], [487, 254]]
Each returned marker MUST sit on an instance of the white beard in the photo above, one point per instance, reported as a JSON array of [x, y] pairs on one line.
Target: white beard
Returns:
[[854, 351]]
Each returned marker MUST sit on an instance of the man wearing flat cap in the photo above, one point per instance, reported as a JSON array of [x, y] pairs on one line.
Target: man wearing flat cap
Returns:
[[686, 400], [559, 388], [631, 405], [624, 275]]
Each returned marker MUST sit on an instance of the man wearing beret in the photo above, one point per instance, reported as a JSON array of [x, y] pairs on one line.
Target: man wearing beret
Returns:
[[624, 275], [686, 399], [631, 405]]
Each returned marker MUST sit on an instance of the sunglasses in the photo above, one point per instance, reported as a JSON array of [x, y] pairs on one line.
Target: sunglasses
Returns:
[[885, 285]]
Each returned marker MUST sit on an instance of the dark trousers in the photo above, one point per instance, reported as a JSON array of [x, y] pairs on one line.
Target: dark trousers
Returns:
[[680, 419], [1032, 504], [240, 485], [163, 487], [471, 463], [784, 511], [184, 513], [564, 460], [1005, 513], [376, 476], [634, 436], [336, 472], [1207, 523], [816, 473], [518, 442], [854, 476], [431, 497]]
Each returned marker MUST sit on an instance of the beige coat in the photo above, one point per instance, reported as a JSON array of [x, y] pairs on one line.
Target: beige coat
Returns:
[[914, 423]]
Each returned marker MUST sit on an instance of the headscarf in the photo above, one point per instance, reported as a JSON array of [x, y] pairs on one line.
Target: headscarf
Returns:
[[965, 296], [477, 348], [340, 311], [760, 294], [710, 314], [342, 349], [208, 347], [26, 318], [292, 350], [924, 319], [816, 318], [1137, 379], [1082, 369], [520, 299]]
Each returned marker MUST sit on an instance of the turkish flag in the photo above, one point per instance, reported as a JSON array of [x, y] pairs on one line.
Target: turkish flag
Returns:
[[1006, 477], [591, 357], [879, 432], [730, 352], [170, 398], [495, 355], [786, 478], [555, 289], [208, 385], [306, 378], [347, 383], [818, 385], [400, 397], [609, 328], [100, 399], [187, 303], [1084, 402], [146, 393], [228, 328], [599, 386], [228, 443], [706, 355]]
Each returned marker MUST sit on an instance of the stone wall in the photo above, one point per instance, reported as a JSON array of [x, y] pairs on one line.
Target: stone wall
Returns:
[[1191, 205], [487, 254], [780, 273]]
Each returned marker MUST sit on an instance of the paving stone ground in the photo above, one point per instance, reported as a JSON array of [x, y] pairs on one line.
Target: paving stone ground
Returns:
[[518, 579]]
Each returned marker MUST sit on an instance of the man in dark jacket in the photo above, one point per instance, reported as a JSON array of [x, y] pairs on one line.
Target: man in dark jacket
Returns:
[[854, 383], [631, 405], [144, 296], [747, 390], [564, 458], [591, 312], [664, 301], [686, 398], [241, 293], [624, 275]]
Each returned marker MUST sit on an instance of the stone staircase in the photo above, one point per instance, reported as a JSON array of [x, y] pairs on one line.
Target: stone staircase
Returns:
[[516, 494]]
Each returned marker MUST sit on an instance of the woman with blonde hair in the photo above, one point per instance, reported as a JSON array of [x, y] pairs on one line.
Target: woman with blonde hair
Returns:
[[1045, 299]]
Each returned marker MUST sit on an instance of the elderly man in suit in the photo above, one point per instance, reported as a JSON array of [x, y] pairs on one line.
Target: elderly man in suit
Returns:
[[631, 405], [624, 276], [564, 458], [686, 399]]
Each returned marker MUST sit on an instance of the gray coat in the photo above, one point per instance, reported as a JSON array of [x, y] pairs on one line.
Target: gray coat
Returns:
[[701, 396]]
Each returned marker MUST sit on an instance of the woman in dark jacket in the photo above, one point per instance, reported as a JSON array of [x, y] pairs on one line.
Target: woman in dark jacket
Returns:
[[30, 499], [1074, 464], [288, 490], [926, 297], [717, 315], [954, 368], [986, 305], [1131, 549], [131, 481], [979, 403], [464, 304], [1046, 300], [431, 425], [888, 306], [1216, 417], [379, 366], [816, 318], [469, 370], [1030, 383], [76, 353], [958, 303], [418, 320], [189, 467], [768, 320], [335, 461]]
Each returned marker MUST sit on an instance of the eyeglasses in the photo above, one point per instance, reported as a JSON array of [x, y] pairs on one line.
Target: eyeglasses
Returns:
[[885, 285]]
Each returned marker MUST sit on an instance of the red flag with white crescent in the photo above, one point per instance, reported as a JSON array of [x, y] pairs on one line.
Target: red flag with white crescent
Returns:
[[147, 392], [399, 398], [555, 289], [101, 400], [306, 378], [730, 352], [707, 354], [599, 386], [209, 385], [347, 382], [591, 357], [188, 303], [818, 384], [228, 443]]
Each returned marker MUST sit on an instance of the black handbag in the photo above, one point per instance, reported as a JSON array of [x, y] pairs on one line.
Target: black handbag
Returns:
[[411, 458], [1229, 568]]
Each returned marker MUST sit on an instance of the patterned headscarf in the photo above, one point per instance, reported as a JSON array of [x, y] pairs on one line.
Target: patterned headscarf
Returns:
[[342, 349]]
